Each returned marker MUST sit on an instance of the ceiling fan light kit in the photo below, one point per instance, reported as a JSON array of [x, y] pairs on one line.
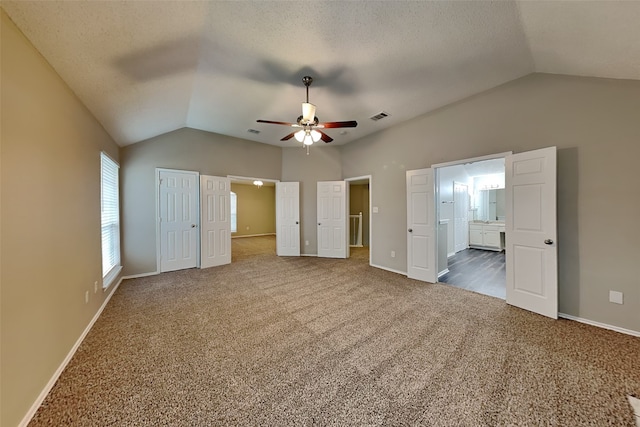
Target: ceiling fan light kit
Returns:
[[310, 124]]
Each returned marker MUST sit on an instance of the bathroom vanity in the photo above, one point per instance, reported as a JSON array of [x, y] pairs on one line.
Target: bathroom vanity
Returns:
[[486, 235]]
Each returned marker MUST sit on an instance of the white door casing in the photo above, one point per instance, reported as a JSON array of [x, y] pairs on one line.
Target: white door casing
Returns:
[[288, 218], [332, 219], [215, 216], [460, 216], [421, 227], [178, 219], [531, 240]]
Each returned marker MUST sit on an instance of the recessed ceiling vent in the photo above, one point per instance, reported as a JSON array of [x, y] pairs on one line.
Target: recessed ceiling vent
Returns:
[[381, 115], [253, 131]]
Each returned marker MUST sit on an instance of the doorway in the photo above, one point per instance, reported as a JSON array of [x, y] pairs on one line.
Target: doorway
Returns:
[[471, 225], [360, 229], [253, 216]]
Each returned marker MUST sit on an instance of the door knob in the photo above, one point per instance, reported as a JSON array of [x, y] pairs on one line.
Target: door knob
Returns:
[[411, 230], [193, 226], [548, 242], [296, 222], [319, 224]]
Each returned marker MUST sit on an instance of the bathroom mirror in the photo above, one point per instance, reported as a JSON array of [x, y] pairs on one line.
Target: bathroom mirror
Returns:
[[490, 205]]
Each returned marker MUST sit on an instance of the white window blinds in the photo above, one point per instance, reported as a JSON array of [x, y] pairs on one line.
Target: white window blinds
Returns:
[[110, 214], [233, 201]]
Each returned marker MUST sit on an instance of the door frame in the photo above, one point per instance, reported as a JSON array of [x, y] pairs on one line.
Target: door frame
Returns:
[[236, 178], [359, 178], [158, 236], [436, 167]]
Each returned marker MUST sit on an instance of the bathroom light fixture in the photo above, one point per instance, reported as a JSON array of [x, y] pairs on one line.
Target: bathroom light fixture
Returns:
[[258, 183]]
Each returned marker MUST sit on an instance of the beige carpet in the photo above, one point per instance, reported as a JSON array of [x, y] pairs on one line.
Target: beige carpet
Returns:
[[306, 341]]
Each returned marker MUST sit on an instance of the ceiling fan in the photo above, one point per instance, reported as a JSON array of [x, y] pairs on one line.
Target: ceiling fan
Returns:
[[309, 124]]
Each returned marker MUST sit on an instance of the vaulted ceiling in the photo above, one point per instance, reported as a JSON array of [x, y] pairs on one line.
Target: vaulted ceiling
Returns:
[[147, 68]]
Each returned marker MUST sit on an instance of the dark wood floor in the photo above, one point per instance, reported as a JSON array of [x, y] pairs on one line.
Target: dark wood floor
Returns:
[[479, 271]]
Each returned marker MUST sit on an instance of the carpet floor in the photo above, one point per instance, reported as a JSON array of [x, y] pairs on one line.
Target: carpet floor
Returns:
[[279, 341]]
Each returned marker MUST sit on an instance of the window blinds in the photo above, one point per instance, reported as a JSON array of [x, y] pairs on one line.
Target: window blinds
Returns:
[[110, 214]]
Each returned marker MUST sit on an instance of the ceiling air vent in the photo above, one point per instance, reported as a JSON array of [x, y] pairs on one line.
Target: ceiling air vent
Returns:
[[379, 116], [253, 131]]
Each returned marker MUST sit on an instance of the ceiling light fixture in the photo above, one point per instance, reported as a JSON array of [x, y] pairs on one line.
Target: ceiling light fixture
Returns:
[[258, 183]]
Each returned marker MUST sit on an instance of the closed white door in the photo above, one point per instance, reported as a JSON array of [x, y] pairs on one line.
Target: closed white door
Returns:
[[215, 219], [178, 211], [332, 219], [421, 229], [531, 246], [288, 218], [461, 216]]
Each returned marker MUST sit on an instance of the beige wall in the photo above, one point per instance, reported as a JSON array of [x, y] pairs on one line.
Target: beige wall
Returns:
[[185, 149], [596, 126], [50, 216], [322, 164], [256, 209]]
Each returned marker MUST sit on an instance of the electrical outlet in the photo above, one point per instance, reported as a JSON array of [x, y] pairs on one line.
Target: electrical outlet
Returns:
[[95, 287], [616, 297], [247, 227], [306, 243], [86, 297], [393, 254]]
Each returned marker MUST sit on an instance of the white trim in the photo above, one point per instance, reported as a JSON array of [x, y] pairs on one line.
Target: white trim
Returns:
[[136, 276], [111, 276], [473, 159], [404, 273], [47, 388], [309, 255], [600, 325], [253, 235], [250, 178], [443, 272]]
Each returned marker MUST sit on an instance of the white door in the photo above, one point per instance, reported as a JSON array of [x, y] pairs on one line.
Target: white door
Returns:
[[332, 219], [461, 216], [531, 247], [421, 228], [288, 218], [178, 211], [215, 221]]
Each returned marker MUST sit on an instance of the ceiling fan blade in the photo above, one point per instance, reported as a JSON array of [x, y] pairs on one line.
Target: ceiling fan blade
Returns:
[[325, 137], [329, 125], [277, 123], [288, 137]]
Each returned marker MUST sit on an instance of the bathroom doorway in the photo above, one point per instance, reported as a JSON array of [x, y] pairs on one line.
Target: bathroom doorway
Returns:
[[471, 225]]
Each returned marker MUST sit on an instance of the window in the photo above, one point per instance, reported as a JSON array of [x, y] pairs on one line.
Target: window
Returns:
[[110, 218], [233, 201]]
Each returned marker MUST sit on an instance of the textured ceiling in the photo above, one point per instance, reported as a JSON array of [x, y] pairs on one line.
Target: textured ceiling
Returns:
[[146, 68]]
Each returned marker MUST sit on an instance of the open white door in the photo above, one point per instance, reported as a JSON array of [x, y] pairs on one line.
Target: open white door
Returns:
[[215, 221], [288, 218], [460, 216], [332, 219], [178, 218], [421, 227], [531, 249]]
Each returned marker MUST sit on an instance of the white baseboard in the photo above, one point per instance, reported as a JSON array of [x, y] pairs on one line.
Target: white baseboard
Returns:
[[600, 325], [136, 276], [443, 272], [43, 394], [253, 235], [309, 255], [404, 273]]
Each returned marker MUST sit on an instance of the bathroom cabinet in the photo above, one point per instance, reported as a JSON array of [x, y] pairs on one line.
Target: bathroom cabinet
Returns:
[[486, 236]]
